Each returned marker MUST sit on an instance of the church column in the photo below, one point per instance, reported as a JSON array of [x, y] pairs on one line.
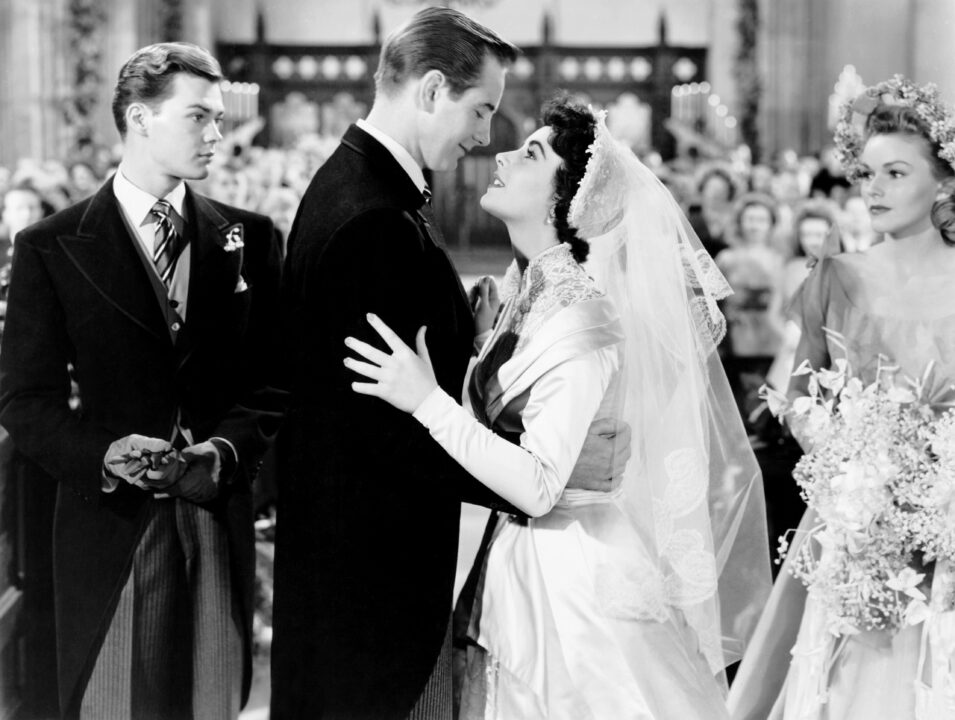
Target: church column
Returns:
[[32, 37], [783, 53], [821, 75], [197, 24], [933, 24], [723, 15], [122, 34]]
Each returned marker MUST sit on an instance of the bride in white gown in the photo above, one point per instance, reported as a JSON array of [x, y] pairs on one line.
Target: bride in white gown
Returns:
[[621, 605]]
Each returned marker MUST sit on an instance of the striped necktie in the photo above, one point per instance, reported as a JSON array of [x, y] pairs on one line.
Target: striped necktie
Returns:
[[168, 243]]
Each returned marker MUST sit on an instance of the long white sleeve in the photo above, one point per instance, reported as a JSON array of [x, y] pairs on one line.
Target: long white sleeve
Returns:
[[561, 405]]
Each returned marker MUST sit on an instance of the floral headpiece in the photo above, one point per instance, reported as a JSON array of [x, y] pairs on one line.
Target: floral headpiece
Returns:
[[898, 90]]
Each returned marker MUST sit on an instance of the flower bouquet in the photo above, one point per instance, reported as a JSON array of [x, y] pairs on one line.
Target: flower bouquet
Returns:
[[880, 477]]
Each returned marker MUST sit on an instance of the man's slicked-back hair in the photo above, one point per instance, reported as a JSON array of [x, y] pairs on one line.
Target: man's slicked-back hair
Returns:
[[147, 75], [439, 38]]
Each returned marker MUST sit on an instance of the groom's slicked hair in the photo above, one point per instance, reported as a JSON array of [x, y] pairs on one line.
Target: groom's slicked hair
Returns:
[[146, 76], [439, 38]]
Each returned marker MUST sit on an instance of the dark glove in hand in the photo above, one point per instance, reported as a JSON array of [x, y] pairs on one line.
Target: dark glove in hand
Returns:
[[196, 484]]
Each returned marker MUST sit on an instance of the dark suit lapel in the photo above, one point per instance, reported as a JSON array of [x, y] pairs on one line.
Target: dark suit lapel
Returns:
[[406, 194], [431, 229], [384, 165], [102, 250], [214, 272]]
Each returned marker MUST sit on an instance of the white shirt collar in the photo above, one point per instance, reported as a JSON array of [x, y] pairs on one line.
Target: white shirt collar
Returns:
[[138, 203], [401, 155]]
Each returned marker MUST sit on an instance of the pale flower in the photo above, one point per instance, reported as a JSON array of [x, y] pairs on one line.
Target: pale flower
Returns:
[[907, 582], [853, 389], [852, 410], [803, 404], [916, 611], [853, 402], [860, 493], [881, 469], [872, 389], [805, 368], [856, 542], [900, 395], [856, 475], [839, 626], [943, 444], [938, 495], [819, 421], [776, 401], [852, 513], [827, 542], [834, 380]]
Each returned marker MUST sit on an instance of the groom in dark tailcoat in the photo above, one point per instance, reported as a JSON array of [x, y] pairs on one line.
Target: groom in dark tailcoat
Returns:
[[368, 503], [161, 304]]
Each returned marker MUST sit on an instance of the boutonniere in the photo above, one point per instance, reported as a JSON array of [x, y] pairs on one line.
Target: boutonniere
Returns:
[[233, 238]]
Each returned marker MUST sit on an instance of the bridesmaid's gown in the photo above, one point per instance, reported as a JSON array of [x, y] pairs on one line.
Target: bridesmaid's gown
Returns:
[[874, 674]]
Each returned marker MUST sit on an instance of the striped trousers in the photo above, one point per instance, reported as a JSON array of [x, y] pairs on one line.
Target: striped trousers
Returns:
[[434, 703], [173, 650]]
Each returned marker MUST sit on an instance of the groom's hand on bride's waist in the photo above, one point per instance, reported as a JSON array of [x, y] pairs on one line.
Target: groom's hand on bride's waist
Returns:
[[604, 455]]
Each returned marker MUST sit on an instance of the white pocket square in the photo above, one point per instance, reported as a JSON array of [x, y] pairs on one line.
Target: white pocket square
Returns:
[[241, 286]]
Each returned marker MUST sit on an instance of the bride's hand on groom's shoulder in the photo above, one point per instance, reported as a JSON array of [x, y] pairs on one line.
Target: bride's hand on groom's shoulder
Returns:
[[403, 378]]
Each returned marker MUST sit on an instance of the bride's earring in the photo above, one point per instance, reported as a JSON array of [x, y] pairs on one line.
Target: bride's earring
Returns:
[[549, 220]]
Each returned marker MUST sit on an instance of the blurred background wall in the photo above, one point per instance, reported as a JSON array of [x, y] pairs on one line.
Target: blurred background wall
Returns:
[[58, 55]]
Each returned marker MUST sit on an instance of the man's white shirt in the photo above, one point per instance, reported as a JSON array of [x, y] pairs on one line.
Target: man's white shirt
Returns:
[[137, 207]]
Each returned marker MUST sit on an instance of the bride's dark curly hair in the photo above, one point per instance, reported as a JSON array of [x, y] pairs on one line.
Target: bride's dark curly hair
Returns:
[[572, 132]]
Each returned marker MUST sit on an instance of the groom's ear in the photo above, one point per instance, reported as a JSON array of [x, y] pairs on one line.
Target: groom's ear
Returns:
[[428, 88]]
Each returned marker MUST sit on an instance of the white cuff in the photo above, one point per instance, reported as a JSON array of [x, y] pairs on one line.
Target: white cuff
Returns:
[[433, 407]]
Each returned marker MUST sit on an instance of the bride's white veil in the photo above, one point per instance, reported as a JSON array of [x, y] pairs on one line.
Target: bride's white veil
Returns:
[[693, 486]]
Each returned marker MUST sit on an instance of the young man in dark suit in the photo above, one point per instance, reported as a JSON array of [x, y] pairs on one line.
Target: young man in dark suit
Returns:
[[368, 504], [162, 304]]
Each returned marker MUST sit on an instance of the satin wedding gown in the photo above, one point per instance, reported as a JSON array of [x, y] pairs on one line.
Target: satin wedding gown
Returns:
[[569, 616]]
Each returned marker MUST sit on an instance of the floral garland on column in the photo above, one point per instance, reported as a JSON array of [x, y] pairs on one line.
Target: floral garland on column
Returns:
[[87, 21], [746, 72]]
